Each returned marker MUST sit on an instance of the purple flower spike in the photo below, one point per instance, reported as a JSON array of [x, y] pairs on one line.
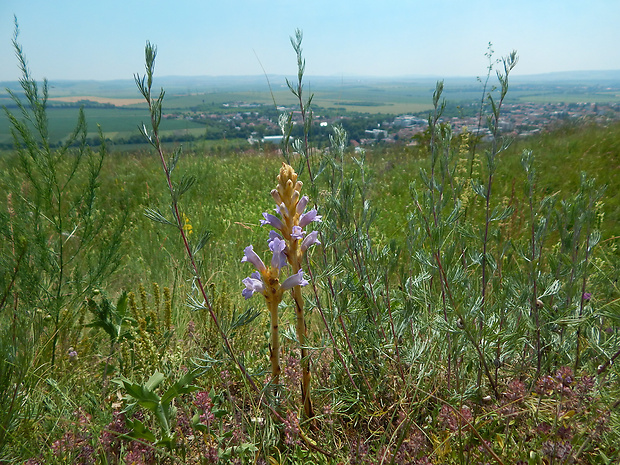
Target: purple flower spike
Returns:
[[301, 204], [309, 217], [277, 246], [272, 220], [297, 232], [294, 280], [250, 256], [272, 235], [252, 284], [310, 240], [586, 296]]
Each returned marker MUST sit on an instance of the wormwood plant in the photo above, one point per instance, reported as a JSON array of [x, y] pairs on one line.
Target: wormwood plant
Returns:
[[58, 244], [202, 300], [176, 191], [56, 208]]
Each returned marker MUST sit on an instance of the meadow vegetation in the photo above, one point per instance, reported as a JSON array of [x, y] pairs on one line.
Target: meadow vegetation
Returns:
[[459, 303]]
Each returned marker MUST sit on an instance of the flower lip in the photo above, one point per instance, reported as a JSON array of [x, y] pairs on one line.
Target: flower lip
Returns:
[[272, 235], [250, 256], [253, 283], [310, 240], [297, 233], [309, 217], [296, 279], [272, 220], [277, 246]]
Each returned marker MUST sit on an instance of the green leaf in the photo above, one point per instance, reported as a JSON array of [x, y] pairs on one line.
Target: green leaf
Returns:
[[182, 386], [202, 242], [139, 431], [479, 189], [156, 215], [500, 214], [155, 380], [121, 305], [184, 185]]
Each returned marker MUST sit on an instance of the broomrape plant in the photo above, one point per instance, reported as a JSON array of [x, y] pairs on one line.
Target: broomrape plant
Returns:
[[288, 244]]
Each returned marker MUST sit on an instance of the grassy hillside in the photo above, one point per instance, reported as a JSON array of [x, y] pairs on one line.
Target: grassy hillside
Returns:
[[454, 302]]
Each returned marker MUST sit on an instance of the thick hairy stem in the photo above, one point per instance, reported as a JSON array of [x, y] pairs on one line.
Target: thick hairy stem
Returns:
[[274, 347], [305, 362], [302, 333]]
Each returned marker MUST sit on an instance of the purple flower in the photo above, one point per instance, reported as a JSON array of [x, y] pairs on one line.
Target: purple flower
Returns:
[[301, 204], [309, 240], [253, 284], [282, 208], [272, 235], [297, 232], [272, 220], [250, 256], [586, 296], [296, 279], [309, 217], [277, 246]]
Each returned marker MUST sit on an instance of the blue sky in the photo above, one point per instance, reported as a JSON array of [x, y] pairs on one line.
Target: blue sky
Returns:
[[86, 39]]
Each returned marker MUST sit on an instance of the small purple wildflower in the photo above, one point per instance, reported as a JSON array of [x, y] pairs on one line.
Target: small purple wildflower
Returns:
[[293, 373], [307, 218], [291, 429], [184, 425], [282, 210], [557, 450], [516, 390], [204, 403], [545, 385], [253, 284], [250, 256], [586, 296], [296, 279], [191, 329], [272, 220], [565, 376], [277, 246], [301, 204], [297, 232], [310, 240], [110, 439]]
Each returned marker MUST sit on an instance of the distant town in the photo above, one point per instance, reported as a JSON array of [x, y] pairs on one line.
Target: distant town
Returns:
[[251, 121]]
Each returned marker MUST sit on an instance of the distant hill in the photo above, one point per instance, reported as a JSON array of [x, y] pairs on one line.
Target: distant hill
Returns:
[[573, 76], [260, 83]]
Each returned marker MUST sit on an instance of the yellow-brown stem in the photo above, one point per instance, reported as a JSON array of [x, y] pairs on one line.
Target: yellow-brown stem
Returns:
[[305, 362], [302, 333], [274, 347]]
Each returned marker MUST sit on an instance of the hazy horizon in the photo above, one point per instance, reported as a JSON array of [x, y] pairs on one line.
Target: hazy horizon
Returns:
[[577, 76], [74, 40]]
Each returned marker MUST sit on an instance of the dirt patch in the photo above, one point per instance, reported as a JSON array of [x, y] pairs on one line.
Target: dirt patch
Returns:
[[118, 102]]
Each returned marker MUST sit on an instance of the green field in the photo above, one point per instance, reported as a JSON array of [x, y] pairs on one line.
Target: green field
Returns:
[[331, 96]]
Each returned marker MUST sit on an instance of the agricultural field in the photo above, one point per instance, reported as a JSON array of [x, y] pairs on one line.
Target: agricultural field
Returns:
[[116, 107]]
